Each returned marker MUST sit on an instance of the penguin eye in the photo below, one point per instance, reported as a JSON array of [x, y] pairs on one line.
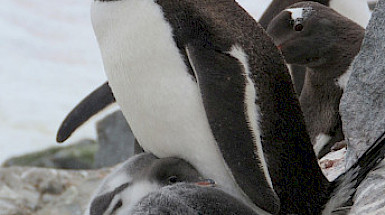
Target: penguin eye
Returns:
[[173, 179], [298, 27]]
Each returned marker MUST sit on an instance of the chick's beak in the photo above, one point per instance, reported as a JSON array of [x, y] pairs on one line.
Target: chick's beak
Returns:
[[206, 182]]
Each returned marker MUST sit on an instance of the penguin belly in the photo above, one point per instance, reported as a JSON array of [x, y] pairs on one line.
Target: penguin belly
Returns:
[[151, 83]]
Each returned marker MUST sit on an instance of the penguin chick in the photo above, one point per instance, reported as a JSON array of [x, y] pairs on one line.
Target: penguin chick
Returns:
[[325, 42], [136, 178], [191, 199], [356, 10]]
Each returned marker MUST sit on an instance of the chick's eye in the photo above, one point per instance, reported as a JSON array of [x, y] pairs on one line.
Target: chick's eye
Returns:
[[172, 179], [298, 27]]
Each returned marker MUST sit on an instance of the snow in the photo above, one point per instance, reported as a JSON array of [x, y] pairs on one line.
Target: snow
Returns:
[[49, 62], [255, 8]]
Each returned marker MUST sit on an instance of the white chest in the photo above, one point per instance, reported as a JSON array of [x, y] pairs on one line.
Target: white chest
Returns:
[[149, 78]]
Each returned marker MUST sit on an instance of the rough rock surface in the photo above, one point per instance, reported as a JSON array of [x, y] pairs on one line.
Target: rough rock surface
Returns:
[[363, 103], [40, 191], [116, 141], [363, 112]]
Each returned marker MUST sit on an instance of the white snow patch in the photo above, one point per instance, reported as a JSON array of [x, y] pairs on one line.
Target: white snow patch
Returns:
[[254, 8], [49, 62], [356, 10]]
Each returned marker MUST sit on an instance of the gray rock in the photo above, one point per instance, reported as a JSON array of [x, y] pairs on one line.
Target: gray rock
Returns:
[[41, 191], [363, 103], [116, 141], [363, 112]]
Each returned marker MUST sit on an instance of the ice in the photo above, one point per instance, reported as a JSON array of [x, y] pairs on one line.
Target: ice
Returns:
[[49, 62]]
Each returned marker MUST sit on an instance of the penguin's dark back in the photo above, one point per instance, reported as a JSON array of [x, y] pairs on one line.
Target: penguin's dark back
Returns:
[[222, 24]]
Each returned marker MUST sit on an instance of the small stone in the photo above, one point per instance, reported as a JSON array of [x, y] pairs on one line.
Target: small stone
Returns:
[[116, 141], [42, 191]]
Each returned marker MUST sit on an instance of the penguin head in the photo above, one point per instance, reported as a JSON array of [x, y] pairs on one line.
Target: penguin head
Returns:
[[168, 171], [311, 34], [138, 177]]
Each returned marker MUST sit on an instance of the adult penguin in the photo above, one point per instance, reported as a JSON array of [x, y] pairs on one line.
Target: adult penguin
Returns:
[[202, 81], [102, 97], [284, 136], [325, 42]]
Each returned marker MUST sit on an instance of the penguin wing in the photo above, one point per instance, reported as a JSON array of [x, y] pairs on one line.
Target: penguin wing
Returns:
[[222, 83], [88, 107]]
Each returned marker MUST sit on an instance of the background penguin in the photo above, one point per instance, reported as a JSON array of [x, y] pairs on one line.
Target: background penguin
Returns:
[[356, 10], [202, 81], [138, 176], [325, 42]]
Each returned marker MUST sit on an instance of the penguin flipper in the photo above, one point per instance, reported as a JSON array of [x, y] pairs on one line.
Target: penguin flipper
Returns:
[[98, 100], [345, 186], [222, 83]]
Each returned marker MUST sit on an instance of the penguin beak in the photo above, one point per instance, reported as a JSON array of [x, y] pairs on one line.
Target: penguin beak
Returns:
[[206, 183]]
